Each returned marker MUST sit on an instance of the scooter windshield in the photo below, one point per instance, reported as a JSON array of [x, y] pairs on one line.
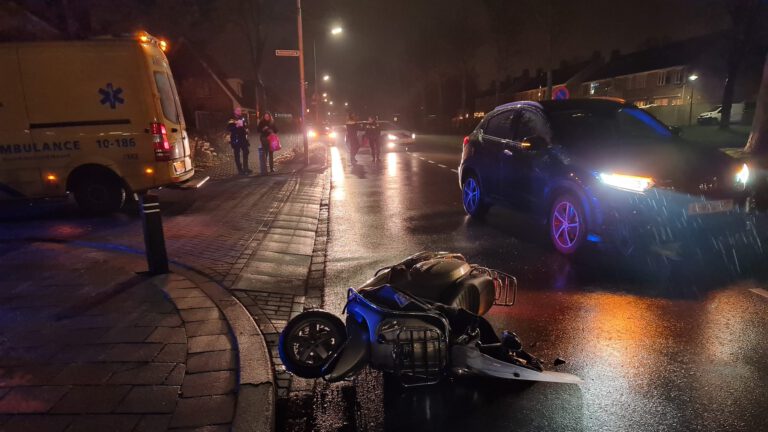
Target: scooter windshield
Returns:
[[390, 298]]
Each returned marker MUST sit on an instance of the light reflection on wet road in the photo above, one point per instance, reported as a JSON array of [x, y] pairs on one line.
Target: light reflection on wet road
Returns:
[[654, 356]]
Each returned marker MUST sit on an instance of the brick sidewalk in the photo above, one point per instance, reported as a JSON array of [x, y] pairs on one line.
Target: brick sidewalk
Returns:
[[88, 345], [256, 235]]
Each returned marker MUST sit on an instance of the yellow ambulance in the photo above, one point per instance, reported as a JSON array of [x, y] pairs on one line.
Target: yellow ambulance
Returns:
[[99, 119]]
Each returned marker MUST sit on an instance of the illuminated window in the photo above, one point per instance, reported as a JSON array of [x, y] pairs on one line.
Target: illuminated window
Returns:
[[593, 87], [662, 78]]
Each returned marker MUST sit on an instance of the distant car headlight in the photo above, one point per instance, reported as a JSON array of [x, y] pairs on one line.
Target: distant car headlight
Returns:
[[413, 136], [742, 176], [392, 137], [391, 145], [332, 135], [311, 133], [626, 182]]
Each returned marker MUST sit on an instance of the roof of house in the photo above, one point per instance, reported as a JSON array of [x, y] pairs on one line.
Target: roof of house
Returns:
[[681, 53], [209, 65]]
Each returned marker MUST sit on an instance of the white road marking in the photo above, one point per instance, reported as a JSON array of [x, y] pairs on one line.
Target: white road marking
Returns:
[[455, 170], [442, 166], [760, 291], [430, 162]]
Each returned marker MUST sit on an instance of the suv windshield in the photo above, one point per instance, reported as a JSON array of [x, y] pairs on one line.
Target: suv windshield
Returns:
[[631, 124]]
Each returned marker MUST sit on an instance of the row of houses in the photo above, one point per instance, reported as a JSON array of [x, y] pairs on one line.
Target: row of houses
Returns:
[[675, 81]]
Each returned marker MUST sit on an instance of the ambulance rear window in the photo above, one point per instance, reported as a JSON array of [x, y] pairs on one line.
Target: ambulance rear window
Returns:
[[166, 97]]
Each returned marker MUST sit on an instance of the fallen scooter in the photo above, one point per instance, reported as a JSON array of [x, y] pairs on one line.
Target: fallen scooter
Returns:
[[420, 320]]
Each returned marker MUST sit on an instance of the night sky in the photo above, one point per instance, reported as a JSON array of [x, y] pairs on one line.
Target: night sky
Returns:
[[372, 63]]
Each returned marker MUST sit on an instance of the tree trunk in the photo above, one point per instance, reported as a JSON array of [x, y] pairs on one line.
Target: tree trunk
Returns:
[[550, 30], [733, 69], [758, 138], [463, 109], [439, 96]]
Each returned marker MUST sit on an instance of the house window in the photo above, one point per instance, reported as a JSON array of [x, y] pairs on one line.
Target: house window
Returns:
[[662, 78], [593, 87], [641, 103], [676, 76], [661, 101], [676, 101]]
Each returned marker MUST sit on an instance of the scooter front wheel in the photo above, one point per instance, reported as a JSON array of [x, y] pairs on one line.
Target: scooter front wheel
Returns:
[[308, 342]]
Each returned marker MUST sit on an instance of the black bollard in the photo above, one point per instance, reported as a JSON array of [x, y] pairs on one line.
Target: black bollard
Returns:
[[154, 239], [262, 162]]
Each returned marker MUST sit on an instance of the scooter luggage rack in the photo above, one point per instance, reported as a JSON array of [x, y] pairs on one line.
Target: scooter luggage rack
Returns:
[[420, 356], [505, 286]]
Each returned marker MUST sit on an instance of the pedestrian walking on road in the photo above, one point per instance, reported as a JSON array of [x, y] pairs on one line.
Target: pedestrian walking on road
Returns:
[[353, 143], [373, 134], [238, 139], [266, 128]]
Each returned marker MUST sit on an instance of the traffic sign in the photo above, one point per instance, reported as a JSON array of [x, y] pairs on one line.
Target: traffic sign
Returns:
[[561, 93], [287, 53]]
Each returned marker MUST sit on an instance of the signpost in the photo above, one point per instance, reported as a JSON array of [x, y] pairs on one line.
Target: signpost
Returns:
[[561, 93], [287, 53]]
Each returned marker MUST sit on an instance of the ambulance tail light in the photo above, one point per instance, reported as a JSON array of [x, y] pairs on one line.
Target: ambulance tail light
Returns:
[[163, 148]]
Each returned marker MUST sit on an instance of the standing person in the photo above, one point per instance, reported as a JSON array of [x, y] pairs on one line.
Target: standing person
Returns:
[[373, 133], [267, 127], [353, 144], [238, 139]]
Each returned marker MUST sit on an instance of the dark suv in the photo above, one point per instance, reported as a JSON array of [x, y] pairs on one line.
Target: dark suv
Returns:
[[597, 170]]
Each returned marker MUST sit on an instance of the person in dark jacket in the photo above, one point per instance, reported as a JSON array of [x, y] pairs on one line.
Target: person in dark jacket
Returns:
[[373, 133], [267, 127], [353, 143], [238, 139]]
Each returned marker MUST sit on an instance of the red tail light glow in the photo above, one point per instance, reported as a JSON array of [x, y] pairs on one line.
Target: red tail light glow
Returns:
[[163, 148], [466, 140]]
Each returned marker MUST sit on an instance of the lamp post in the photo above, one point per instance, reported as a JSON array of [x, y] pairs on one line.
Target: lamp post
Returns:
[[691, 79], [302, 91], [335, 32]]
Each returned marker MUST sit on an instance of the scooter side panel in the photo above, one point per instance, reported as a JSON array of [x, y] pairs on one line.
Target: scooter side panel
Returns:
[[353, 355], [468, 360]]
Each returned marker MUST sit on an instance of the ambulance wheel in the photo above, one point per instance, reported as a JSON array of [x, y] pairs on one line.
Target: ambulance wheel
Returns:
[[99, 192]]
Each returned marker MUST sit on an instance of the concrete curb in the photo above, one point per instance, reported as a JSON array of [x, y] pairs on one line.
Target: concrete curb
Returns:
[[255, 410]]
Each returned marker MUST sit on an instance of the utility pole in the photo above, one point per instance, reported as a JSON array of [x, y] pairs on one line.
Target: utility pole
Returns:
[[302, 82], [316, 95]]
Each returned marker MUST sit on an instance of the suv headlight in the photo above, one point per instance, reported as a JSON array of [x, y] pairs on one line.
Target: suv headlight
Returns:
[[391, 137], [742, 177], [626, 182]]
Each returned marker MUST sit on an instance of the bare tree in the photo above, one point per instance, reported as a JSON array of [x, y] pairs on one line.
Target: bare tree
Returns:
[[758, 138], [744, 17], [503, 37]]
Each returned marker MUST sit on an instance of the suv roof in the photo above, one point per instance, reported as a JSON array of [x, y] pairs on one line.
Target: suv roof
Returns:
[[568, 104]]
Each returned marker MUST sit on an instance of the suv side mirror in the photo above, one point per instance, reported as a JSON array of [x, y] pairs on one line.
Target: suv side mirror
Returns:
[[534, 143]]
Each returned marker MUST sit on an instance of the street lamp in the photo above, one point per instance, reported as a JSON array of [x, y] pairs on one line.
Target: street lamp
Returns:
[[691, 78], [326, 77], [325, 95], [346, 103], [335, 32], [330, 102]]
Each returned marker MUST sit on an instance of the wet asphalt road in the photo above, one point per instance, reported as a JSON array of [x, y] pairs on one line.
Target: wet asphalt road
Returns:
[[679, 352]]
